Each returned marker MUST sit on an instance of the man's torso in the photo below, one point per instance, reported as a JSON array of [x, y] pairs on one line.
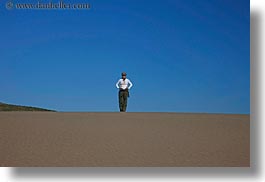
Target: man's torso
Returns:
[[124, 83]]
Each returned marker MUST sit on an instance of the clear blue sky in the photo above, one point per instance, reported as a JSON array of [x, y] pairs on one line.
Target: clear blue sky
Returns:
[[181, 55]]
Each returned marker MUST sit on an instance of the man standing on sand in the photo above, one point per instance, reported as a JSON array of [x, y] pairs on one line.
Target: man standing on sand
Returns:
[[123, 85]]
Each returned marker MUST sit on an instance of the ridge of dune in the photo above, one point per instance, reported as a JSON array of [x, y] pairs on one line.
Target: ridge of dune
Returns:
[[12, 107]]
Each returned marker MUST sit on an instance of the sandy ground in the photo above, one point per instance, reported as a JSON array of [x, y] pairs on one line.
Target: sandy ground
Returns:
[[124, 139]]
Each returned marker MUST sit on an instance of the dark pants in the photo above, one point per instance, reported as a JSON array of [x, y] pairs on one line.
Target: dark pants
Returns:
[[123, 96]]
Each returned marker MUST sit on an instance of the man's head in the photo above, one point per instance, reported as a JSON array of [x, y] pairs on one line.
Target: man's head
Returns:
[[123, 75]]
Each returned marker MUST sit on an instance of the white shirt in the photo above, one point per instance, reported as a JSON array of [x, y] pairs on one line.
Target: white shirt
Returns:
[[123, 84]]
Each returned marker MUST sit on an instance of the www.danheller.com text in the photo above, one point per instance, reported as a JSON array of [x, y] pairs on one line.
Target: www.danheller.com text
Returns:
[[48, 5]]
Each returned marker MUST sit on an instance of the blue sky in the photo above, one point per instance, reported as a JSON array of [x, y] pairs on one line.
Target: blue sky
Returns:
[[182, 56]]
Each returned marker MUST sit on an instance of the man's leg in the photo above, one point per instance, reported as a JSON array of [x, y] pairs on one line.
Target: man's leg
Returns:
[[125, 96], [120, 100], [123, 102]]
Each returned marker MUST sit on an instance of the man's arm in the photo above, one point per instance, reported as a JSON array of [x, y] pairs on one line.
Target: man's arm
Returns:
[[130, 84], [118, 84]]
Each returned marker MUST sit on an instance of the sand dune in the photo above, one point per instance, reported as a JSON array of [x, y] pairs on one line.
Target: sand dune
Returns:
[[124, 139]]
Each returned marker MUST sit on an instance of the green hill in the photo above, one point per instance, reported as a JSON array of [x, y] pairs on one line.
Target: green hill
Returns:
[[10, 107]]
